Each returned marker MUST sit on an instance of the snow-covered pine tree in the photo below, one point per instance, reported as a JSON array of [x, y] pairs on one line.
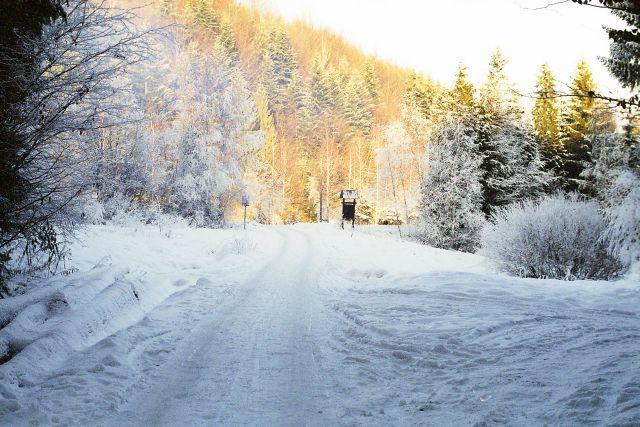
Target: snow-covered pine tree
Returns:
[[227, 38], [304, 106], [121, 161], [213, 135], [451, 194], [278, 67], [201, 14], [509, 158], [423, 93], [577, 119], [546, 121], [623, 52], [526, 176], [356, 105], [494, 112], [372, 81], [497, 97], [462, 94], [615, 178]]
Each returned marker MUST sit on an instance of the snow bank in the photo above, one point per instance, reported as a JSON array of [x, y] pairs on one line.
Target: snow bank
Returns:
[[421, 336], [314, 323], [123, 274]]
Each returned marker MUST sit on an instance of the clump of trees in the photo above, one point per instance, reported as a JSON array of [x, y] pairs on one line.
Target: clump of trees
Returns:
[[235, 104], [60, 64], [573, 147]]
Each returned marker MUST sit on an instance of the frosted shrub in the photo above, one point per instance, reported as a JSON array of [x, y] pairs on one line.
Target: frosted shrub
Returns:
[[557, 237]]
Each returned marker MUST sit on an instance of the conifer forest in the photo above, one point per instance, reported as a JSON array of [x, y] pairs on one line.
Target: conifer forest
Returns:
[[176, 249]]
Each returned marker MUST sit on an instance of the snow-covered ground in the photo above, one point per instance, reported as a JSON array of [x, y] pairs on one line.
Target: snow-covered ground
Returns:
[[311, 325]]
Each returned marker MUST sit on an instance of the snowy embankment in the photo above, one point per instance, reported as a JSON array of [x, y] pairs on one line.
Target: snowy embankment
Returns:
[[426, 336], [312, 325], [122, 275]]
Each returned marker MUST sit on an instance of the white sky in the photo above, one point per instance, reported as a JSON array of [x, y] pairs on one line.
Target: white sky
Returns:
[[433, 36]]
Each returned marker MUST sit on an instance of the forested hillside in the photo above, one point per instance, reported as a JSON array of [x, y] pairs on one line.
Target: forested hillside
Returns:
[[332, 118], [191, 108], [321, 105], [495, 245]]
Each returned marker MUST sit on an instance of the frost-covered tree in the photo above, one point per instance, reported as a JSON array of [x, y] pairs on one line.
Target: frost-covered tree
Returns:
[[64, 93], [511, 166], [623, 216], [525, 176], [201, 14], [227, 38], [546, 121], [615, 179], [462, 93], [577, 120], [21, 28], [394, 160], [497, 97], [121, 161], [278, 67], [451, 194], [356, 105], [372, 81], [623, 53], [424, 94], [212, 135]]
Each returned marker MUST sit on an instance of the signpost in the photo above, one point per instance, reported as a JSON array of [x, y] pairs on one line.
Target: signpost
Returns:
[[245, 203]]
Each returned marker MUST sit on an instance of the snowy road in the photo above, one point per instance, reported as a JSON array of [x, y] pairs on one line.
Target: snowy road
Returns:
[[312, 325], [252, 360]]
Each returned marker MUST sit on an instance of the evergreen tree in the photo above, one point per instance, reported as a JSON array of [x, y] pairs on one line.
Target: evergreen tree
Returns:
[[267, 127], [306, 122], [356, 105], [451, 194], [227, 38], [624, 53], [423, 93], [22, 23], [279, 67], [577, 121], [546, 121], [498, 113], [323, 93], [201, 14], [462, 94], [498, 100], [372, 81], [213, 136]]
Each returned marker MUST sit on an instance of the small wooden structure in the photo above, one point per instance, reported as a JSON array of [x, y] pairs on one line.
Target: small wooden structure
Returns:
[[349, 197]]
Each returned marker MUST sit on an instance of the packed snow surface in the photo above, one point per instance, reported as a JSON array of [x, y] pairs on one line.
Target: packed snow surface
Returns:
[[311, 325]]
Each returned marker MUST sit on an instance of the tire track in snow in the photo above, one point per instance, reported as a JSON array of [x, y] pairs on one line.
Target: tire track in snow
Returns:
[[252, 361]]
